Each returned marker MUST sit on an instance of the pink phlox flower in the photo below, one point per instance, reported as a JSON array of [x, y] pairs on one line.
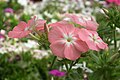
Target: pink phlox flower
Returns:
[[20, 31], [57, 73], [60, 23], [8, 10], [37, 23], [65, 42], [114, 1], [92, 39], [23, 29], [111, 1], [85, 22]]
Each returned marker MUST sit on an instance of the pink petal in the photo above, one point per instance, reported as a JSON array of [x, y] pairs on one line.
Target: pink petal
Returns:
[[40, 28], [58, 32], [92, 45], [71, 52], [102, 45], [40, 24], [83, 34], [18, 34], [55, 34], [111, 1], [81, 46], [31, 21], [117, 2], [58, 48], [64, 25], [68, 28], [20, 27], [73, 17], [88, 24], [91, 25]]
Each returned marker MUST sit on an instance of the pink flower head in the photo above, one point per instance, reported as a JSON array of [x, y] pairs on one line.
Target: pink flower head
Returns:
[[37, 23], [89, 24], [114, 1], [23, 29], [57, 73], [65, 42], [92, 39], [8, 10], [111, 1]]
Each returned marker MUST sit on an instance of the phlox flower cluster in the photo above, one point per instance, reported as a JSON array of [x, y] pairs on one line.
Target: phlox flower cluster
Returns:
[[68, 38], [73, 36], [23, 29]]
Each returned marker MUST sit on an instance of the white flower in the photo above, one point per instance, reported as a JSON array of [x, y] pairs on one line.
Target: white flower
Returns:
[[31, 44], [2, 31], [87, 11], [3, 50], [82, 66], [23, 2], [39, 54]]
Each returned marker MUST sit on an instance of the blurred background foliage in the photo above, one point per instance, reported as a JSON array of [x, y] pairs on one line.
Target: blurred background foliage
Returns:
[[23, 66]]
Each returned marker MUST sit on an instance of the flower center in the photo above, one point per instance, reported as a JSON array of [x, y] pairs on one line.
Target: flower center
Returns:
[[95, 38], [69, 39]]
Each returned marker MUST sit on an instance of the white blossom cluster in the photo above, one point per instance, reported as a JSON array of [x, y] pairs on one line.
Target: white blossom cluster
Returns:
[[83, 6]]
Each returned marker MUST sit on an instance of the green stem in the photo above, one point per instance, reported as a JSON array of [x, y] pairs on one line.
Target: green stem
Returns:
[[70, 67], [115, 41], [66, 65], [76, 61], [56, 78], [55, 57], [34, 37]]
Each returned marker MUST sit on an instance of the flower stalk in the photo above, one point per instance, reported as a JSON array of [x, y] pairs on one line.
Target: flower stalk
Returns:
[[70, 67], [53, 61], [114, 36]]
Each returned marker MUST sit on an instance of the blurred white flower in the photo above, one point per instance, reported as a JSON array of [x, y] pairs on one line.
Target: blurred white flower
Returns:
[[31, 44], [86, 69], [3, 50], [87, 11], [48, 14], [11, 48], [2, 31], [88, 3], [53, 20], [118, 30], [23, 2], [39, 54], [82, 66]]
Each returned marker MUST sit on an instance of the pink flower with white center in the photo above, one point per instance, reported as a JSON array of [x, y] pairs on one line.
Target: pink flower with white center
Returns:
[[65, 42], [92, 39], [23, 29], [85, 22]]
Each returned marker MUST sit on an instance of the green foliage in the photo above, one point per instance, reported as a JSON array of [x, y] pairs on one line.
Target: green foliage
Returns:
[[7, 22], [24, 68], [105, 65]]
